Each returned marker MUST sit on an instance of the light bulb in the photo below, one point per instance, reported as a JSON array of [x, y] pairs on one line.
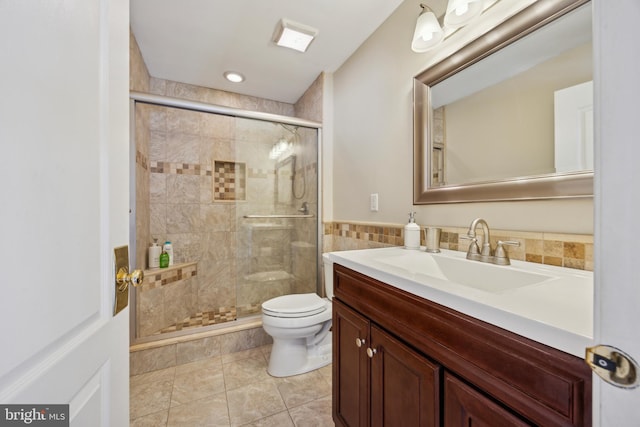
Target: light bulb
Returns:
[[462, 9], [427, 36]]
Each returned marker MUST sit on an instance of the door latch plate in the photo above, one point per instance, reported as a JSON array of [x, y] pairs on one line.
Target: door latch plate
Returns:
[[122, 292], [613, 365]]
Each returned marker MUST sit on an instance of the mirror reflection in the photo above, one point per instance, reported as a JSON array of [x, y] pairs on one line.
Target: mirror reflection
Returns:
[[532, 121], [519, 114], [285, 171]]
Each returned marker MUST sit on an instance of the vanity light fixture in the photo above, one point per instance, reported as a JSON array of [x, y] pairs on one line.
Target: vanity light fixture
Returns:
[[460, 12], [293, 35], [429, 32], [233, 76]]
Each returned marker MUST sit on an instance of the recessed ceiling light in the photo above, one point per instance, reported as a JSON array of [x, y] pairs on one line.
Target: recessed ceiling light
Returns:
[[293, 35], [233, 76]]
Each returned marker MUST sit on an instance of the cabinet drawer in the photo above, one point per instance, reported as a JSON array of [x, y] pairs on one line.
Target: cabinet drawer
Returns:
[[547, 386]]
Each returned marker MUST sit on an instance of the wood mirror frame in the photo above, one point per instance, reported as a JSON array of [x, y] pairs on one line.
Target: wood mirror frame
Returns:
[[551, 186]]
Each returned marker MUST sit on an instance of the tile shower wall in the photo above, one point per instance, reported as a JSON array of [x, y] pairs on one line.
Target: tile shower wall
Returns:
[[563, 250], [164, 300], [139, 80]]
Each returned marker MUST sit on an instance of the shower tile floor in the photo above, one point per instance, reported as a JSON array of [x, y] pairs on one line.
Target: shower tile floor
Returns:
[[230, 390]]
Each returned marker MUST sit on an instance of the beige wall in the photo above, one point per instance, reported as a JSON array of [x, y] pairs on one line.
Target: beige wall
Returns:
[[373, 138]]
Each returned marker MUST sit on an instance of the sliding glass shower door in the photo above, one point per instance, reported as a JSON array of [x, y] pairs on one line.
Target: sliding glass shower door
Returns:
[[277, 224], [238, 199]]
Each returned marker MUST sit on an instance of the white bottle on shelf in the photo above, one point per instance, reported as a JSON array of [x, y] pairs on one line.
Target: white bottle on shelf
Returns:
[[168, 248], [412, 233], [154, 254]]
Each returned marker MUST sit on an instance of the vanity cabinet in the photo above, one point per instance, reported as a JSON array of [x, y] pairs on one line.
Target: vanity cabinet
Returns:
[[402, 360], [379, 381]]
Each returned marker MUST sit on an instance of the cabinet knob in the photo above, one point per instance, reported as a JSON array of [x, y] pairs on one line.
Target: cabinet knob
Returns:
[[371, 352], [359, 342]]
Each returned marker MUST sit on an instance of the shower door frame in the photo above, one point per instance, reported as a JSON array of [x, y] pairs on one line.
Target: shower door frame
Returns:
[[167, 101]]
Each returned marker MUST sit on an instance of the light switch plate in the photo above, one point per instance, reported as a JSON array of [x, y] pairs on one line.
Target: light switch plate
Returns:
[[373, 200]]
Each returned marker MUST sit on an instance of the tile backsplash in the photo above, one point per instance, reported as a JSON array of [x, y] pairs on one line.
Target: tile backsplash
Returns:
[[564, 250]]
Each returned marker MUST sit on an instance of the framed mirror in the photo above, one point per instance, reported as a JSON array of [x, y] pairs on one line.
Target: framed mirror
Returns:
[[509, 116]]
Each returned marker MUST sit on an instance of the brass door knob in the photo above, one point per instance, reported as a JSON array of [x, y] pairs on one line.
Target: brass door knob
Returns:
[[123, 278]]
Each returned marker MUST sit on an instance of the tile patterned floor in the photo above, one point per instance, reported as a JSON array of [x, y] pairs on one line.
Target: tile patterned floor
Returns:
[[230, 390]]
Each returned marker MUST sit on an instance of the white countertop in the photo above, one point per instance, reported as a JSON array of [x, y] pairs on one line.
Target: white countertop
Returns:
[[557, 311]]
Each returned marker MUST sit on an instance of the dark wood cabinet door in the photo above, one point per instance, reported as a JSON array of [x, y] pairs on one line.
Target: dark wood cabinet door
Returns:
[[464, 406], [405, 386], [350, 367]]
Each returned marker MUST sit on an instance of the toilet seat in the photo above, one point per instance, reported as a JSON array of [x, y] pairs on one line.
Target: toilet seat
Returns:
[[294, 305]]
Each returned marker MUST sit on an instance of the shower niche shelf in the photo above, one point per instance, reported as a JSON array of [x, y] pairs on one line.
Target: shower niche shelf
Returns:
[[229, 181]]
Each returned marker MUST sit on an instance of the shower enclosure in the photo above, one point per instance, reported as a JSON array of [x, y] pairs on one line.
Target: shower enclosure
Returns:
[[236, 193]]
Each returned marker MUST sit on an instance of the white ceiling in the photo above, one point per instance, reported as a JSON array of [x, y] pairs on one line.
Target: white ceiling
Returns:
[[196, 41]]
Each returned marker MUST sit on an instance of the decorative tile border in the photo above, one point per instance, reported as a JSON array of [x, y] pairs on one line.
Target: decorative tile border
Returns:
[[563, 250], [142, 160], [260, 173], [192, 168], [393, 236], [157, 277], [215, 317], [180, 168]]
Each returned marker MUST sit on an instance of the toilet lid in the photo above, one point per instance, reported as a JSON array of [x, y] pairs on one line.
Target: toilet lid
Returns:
[[295, 305]]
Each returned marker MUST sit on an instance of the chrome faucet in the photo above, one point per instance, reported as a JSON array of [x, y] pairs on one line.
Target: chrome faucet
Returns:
[[486, 254]]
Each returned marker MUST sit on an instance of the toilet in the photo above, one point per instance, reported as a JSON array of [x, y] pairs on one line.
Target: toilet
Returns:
[[300, 325]]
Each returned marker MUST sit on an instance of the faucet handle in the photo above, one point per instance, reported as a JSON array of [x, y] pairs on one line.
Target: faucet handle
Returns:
[[474, 249], [501, 256]]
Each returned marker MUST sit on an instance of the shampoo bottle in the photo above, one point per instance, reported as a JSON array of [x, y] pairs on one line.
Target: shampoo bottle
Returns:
[[168, 248], [164, 260], [412, 233], [154, 254]]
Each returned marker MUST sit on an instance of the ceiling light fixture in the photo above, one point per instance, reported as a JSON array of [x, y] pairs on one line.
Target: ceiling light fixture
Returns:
[[293, 35], [429, 32], [233, 76]]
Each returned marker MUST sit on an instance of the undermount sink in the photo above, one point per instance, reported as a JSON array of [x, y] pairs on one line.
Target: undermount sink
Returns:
[[457, 270]]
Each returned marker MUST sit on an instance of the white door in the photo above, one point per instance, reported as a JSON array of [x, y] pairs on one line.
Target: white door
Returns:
[[617, 201], [64, 117], [573, 128]]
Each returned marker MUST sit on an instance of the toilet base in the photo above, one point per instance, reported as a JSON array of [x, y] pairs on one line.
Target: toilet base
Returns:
[[295, 357]]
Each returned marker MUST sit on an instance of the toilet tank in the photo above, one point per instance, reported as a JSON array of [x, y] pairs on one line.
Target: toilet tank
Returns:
[[327, 267]]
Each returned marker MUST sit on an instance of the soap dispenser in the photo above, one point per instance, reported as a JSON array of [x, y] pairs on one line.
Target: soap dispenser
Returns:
[[412, 233]]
